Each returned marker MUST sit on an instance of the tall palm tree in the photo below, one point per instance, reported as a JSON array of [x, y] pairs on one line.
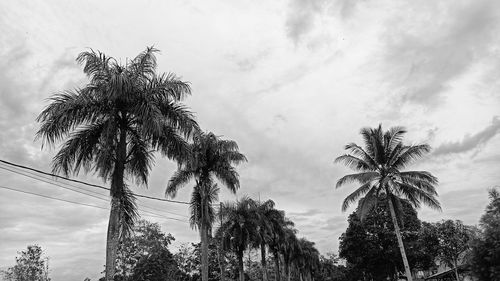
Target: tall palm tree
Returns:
[[211, 158], [113, 125], [239, 226], [379, 172], [268, 216]]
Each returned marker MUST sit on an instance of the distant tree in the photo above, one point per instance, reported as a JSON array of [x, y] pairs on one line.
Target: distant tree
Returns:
[[454, 238], [113, 125], [379, 168], [330, 270], [211, 158], [188, 258], [268, 217], [239, 226], [485, 260], [31, 265]]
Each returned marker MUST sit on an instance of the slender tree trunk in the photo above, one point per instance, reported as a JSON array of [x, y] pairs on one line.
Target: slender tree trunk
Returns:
[[204, 251], [400, 240], [263, 260], [456, 270], [288, 272], [277, 263], [117, 191], [112, 239], [240, 266]]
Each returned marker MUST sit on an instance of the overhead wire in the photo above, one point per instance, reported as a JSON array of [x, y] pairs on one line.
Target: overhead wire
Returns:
[[97, 196], [82, 204], [86, 183]]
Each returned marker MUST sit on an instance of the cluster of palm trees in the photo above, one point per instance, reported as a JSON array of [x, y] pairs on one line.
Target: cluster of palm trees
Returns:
[[250, 224], [114, 125]]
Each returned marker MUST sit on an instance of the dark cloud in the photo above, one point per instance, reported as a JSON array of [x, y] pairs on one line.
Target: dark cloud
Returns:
[[470, 142]]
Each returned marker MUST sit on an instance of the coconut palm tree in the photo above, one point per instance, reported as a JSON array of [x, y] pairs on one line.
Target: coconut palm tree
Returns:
[[268, 216], [211, 158], [379, 168], [239, 227], [113, 125]]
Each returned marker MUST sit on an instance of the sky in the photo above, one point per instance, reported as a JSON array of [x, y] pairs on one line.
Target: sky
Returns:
[[292, 81]]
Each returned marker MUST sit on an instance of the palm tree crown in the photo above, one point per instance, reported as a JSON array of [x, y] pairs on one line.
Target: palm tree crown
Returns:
[[379, 166]]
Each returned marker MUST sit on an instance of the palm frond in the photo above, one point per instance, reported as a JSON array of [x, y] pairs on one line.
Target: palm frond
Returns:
[[409, 154], [360, 178], [416, 195], [178, 180], [353, 162], [360, 191]]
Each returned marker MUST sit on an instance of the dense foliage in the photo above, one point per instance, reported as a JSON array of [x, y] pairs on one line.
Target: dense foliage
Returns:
[[370, 247], [485, 259]]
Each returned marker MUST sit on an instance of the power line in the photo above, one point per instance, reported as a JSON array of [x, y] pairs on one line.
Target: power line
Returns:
[[79, 203], [88, 184], [100, 197]]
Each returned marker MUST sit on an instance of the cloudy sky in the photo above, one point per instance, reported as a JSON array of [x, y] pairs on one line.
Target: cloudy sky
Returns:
[[292, 81]]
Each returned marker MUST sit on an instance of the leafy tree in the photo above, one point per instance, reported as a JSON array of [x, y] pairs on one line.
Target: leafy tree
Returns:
[[485, 259], [330, 270], [239, 227], [113, 125], [210, 158], [158, 266], [147, 240], [188, 259], [370, 247], [454, 239], [31, 265], [379, 172]]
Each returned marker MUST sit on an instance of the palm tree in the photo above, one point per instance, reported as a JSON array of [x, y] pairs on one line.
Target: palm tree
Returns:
[[239, 226], [378, 167], [268, 216], [308, 258], [210, 158], [113, 125], [278, 237], [290, 248]]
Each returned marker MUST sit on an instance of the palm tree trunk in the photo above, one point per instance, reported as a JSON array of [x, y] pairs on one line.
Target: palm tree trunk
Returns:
[[204, 251], [112, 239], [400, 240], [277, 263], [240, 266], [263, 261], [456, 271], [117, 190]]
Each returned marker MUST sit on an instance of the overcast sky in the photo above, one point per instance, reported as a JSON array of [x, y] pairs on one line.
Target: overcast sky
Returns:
[[291, 81]]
